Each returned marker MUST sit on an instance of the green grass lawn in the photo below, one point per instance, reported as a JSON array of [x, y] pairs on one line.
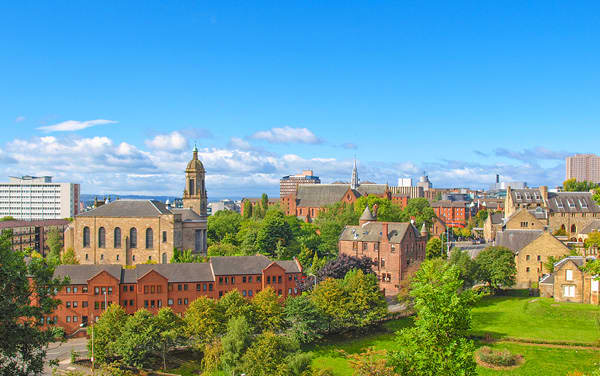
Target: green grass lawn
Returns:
[[536, 319], [518, 317]]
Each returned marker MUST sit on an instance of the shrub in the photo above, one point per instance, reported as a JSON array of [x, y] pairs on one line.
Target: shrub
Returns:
[[503, 358]]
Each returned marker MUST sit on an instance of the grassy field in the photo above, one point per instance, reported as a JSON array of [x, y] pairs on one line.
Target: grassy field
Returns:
[[535, 319]]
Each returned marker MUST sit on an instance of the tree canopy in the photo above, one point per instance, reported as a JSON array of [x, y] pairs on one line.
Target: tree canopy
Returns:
[[496, 267], [572, 185]]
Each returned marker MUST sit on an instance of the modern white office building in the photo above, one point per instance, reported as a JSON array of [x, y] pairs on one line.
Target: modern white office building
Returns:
[[37, 198]]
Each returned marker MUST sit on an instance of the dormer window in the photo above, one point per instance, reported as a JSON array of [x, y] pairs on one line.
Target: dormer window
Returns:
[[559, 204], [527, 196], [518, 196], [571, 203], [537, 196], [583, 204]]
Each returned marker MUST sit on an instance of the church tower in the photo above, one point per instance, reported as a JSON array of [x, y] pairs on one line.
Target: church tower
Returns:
[[194, 195], [354, 182]]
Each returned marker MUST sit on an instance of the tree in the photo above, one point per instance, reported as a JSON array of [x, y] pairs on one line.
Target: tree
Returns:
[[233, 304], [69, 258], [303, 318], [55, 244], [204, 321], [264, 203], [366, 304], [23, 306], [247, 209], [466, 266], [437, 344], [139, 338], [106, 333], [593, 240], [331, 222], [223, 223], [386, 210], [434, 249], [551, 261], [482, 217], [596, 196], [246, 237], [341, 265], [170, 328], [331, 300], [211, 360], [222, 249], [273, 230], [496, 267], [268, 355], [370, 363], [269, 312], [572, 185], [235, 343], [420, 210], [184, 256]]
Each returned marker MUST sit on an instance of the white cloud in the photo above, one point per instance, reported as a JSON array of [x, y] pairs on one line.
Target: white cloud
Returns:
[[74, 125], [287, 135], [239, 143], [19, 119], [171, 141]]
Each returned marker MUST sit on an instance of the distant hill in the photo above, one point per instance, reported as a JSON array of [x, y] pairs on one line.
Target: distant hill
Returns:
[[85, 197]]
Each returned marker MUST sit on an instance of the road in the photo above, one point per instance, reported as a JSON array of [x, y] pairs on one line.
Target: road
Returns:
[[62, 352]]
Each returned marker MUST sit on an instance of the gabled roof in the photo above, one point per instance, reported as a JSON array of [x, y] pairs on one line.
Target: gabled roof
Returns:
[[373, 232], [496, 218], [320, 195], [185, 272], [516, 240], [128, 208], [548, 279], [527, 196], [80, 274], [572, 202], [236, 265], [593, 226], [577, 260]]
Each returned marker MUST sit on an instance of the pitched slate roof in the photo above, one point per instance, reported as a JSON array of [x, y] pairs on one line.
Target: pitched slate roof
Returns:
[[577, 260], [185, 272], [79, 274], [319, 195], [236, 265], [496, 218], [516, 240], [38, 223], [373, 232], [572, 202], [527, 196], [187, 214], [128, 208], [591, 227], [449, 204], [548, 279], [367, 215]]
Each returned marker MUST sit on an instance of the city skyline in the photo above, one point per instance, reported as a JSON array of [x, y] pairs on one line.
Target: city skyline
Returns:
[[114, 96]]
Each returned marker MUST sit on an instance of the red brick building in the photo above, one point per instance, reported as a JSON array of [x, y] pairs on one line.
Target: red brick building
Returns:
[[152, 286], [397, 249], [453, 213], [33, 234]]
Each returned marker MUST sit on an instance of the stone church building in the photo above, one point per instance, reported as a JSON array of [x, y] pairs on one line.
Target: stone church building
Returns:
[[130, 232]]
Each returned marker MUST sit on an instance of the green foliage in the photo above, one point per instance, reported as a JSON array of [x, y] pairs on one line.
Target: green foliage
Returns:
[[247, 235], [386, 210], [331, 222], [496, 267], [204, 321], [466, 266], [170, 327], [549, 264], [247, 209], [303, 319], [434, 249], [233, 304], [462, 232], [421, 210], [269, 313], [185, 256], [69, 258], [560, 232], [55, 245], [139, 338], [502, 358], [264, 203], [572, 185], [213, 352], [235, 342], [481, 217], [593, 240], [269, 355], [596, 196], [106, 332], [223, 223], [7, 218], [437, 344], [274, 231], [222, 249], [371, 362]]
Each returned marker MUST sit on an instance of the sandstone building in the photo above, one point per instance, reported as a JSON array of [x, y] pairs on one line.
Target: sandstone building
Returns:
[[151, 286], [570, 283], [397, 249], [130, 232]]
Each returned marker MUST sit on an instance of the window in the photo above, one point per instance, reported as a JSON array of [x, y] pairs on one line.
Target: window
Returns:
[[96, 290], [393, 248], [290, 291], [569, 275], [101, 237], [278, 279], [149, 238], [164, 237], [365, 246], [268, 279], [204, 287], [226, 279], [170, 302], [539, 258], [220, 280], [68, 290], [244, 279], [179, 287], [84, 289], [249, 279], [86, 256], [289, 277], [232, 280], [569, 291], [110, 290], [101, 256], [220, 294], [124, 303], [198, 288], [527, 258], [84, 304], [75, 318], [68, 304], [152, 304], [131, 288], [527, 269], [75, 304], [68, 318], [279, 292], [152, 289], [159, 303], [96, 305], [210, 287], [383, 263], [86, 237], [185, 287], [249, 292], [524, 224], [595, 285], [133, 238], [117, 237], [124, 288], [133, 257], [131, 302], [258, 278], [179, 301], [185, 301], [146, 303], [243, 292]]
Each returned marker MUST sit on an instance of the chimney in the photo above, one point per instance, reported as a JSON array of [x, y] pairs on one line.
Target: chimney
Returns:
[[384, 232], [544, 193]]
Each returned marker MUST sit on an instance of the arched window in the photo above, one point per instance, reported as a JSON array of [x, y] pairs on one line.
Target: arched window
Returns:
[[149, 238], [101, 237], [86, 236], [164, 258], [133, 238], [573, 228], [117, 237]]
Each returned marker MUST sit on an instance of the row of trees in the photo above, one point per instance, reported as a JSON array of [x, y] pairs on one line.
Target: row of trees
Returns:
[[259, 336]]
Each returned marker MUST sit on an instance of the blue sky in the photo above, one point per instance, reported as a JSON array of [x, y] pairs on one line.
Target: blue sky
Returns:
[[113, 94]]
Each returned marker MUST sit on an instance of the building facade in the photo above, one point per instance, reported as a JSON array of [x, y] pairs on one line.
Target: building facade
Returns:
[[397, 249], [38, 198], [453, 213], [570, 283], [32, 235], [130, 232], [93, 287], [288, 184], [583, 167]]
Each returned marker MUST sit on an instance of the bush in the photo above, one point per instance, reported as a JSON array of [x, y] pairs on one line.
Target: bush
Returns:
[[503, 358]]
